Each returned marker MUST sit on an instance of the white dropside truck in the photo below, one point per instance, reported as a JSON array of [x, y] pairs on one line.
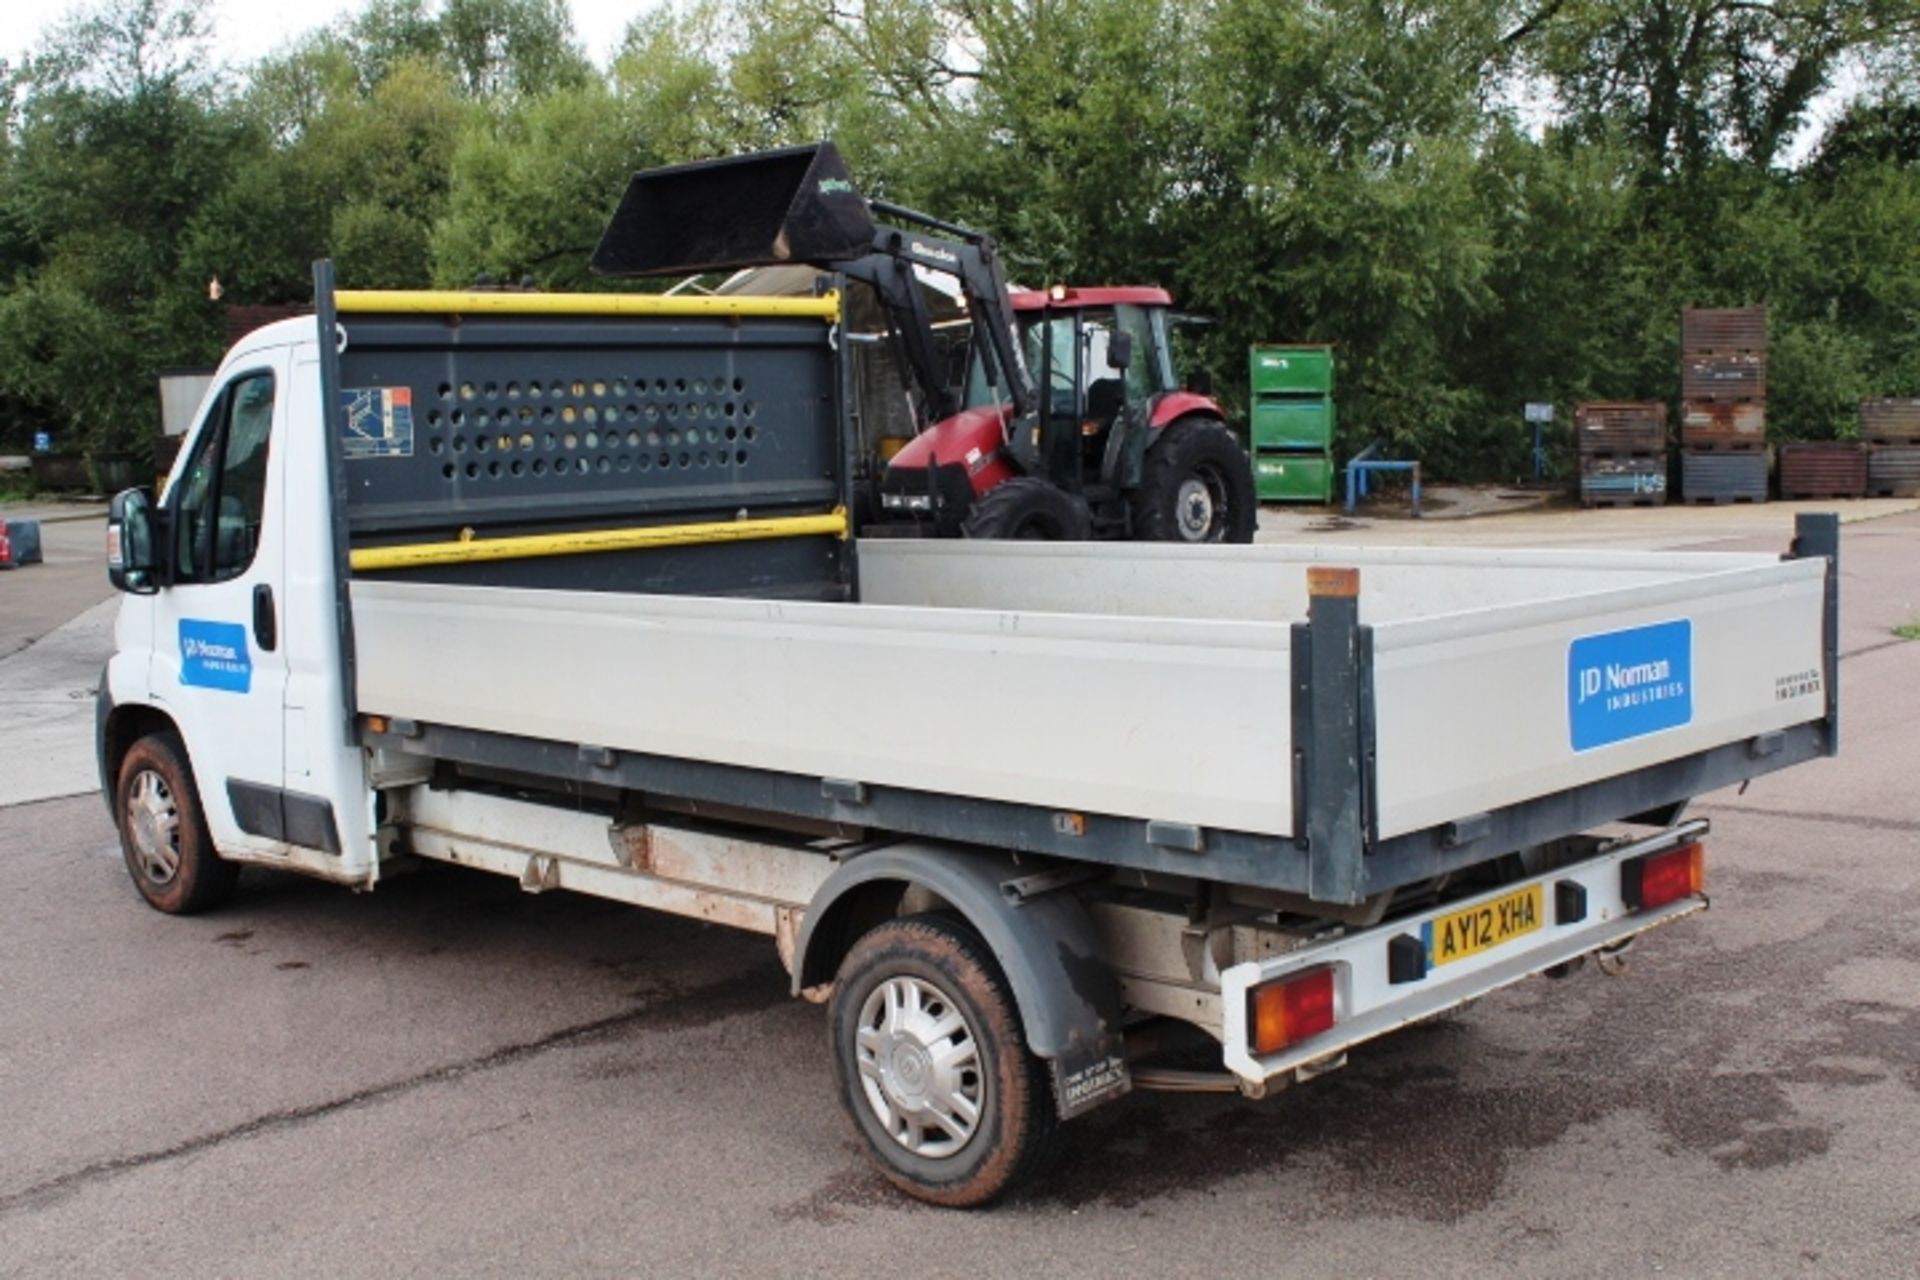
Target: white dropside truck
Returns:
[[564, 588]]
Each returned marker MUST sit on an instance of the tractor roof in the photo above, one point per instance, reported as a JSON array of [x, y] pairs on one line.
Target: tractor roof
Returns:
[[1075, 297]]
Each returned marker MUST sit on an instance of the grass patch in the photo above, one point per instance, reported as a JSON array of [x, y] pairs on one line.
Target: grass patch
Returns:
[[16, 486], [1908, 630]]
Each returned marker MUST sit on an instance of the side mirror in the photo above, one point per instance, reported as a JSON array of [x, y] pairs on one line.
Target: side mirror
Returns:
[[1119, 350], [1200, 382], [133, 561]]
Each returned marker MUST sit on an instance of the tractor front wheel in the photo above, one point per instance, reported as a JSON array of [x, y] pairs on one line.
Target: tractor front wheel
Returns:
[[1027, 509], [1197, 486]]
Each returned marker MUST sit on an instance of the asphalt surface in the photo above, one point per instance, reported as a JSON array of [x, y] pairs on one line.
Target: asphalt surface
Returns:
[[56, 629], [451, 1077], [36, 598]]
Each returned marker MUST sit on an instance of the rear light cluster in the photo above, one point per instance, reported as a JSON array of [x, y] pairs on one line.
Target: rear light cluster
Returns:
[[1660, 878], [1286, 1011]]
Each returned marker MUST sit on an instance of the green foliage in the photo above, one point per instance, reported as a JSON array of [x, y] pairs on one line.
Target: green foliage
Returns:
[[1345, 171], [490, 48], [114, 144], [532, 189], [1689, 81], [386, 164]]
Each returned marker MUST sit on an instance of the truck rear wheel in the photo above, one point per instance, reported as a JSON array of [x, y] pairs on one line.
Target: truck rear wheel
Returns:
[[1028, 509], [163, 834], [1197, 486], [932, 1065]]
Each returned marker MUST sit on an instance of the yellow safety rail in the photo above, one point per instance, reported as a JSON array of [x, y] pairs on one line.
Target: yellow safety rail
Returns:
[[468, 550], [437, 302]]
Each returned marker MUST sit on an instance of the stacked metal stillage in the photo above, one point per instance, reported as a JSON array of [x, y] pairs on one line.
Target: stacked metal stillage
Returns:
[[1723, 392], [1623, 453], [1891, 431], [1292, 422], [1823, 469]]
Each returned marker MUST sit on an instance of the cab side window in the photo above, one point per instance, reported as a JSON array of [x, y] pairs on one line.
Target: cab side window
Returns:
[[223, 492]]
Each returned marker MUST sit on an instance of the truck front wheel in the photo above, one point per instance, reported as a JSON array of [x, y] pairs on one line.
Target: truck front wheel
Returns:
[[932, 1066], [163, 834]]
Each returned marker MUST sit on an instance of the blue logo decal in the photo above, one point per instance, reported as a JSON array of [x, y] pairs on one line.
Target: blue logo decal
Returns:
[[1627, 684], [213, 655]]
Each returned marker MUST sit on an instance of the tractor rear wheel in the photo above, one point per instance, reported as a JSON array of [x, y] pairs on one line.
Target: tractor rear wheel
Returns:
[[1197, 486], [1027, 509]]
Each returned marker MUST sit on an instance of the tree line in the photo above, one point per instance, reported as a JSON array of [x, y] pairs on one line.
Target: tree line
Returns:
[[1482, 202]]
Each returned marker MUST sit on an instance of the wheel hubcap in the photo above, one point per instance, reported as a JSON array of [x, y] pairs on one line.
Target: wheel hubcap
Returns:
[[1200, 508], [153, 827], [919, 1067]]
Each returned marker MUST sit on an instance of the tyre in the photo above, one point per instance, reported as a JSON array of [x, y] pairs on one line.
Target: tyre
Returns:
[[1030, 510], [932, 1066], [163, 834], [1196, 486]]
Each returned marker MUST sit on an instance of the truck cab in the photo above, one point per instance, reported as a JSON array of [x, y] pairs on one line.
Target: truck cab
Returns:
[[225, 650]]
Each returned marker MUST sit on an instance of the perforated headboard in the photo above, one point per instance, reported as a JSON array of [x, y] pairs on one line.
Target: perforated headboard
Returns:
[[544, 414]]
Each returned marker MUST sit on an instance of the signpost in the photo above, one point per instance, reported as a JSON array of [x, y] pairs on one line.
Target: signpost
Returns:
[[1539, 415]]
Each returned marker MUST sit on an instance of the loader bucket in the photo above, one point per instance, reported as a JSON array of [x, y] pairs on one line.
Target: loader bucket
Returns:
[[795, 205]]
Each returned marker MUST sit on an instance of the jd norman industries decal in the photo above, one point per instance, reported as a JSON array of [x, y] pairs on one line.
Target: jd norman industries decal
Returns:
[[213, 655], [1627, 684]]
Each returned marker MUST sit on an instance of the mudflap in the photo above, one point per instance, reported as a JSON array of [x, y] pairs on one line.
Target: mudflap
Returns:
[[1069, 1001], [1088, 1076]]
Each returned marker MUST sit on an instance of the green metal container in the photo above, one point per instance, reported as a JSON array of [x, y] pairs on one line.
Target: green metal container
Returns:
[[1288, 369], [1293, 477], [1293, 422]]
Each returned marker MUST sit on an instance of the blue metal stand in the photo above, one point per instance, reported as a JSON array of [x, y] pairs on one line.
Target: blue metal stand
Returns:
[[1362, 465]]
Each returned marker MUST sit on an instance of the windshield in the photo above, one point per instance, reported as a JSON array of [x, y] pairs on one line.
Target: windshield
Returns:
[[1049, 338]]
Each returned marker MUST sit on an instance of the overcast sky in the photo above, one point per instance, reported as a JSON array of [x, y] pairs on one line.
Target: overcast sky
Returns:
[[245, 29]]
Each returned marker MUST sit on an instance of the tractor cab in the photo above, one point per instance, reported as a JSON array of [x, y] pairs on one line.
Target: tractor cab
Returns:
[[1095, 353], [1073, 331]]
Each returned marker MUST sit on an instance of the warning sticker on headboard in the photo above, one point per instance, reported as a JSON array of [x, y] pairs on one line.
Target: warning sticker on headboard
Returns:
[[378, 422]]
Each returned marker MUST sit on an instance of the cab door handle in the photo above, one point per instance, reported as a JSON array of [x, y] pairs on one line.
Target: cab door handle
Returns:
[[266, 632]]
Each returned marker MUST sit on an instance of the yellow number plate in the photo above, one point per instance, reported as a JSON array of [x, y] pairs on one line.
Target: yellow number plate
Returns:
[[1468, 932]]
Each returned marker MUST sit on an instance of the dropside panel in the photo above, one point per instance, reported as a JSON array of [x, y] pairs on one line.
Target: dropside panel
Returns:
[[1485, 710], [1181, 722]]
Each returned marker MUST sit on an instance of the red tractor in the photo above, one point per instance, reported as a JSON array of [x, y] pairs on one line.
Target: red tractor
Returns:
[[1132, 454], [1069, 424]]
